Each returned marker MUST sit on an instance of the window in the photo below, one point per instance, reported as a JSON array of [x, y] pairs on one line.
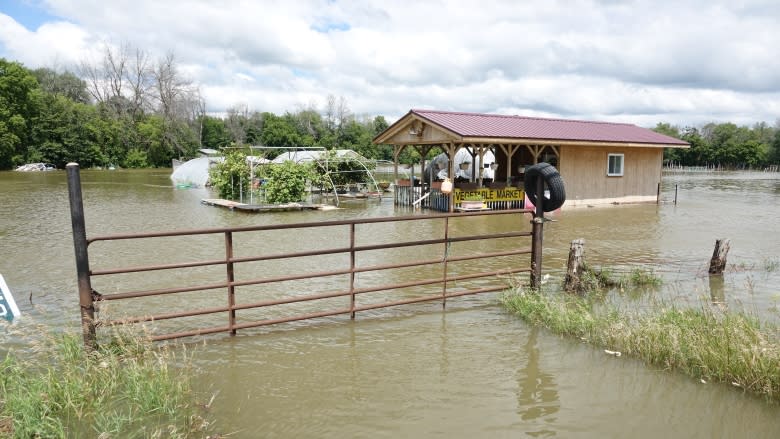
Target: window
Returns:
[[614, 165]]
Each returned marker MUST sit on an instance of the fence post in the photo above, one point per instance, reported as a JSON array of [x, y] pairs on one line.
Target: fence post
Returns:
[[574, 266], [445, 258], [718, 261], [352, 271], [230, 275], [536, 240], [80, 244]]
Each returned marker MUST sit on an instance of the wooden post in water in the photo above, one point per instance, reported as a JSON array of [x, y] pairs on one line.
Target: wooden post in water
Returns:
[[718, 261], [82, 257], [574, 266]]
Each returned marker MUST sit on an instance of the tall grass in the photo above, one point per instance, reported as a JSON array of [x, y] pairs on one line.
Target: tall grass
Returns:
[[595, 279], [126, 388], [709, 344]]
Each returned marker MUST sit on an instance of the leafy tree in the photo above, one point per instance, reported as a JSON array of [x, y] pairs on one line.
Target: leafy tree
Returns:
[[309, 125], [380, 124], [136, 159], [62, 84], [254, 129], [63, 131], [214, 133], [357, 136], [18, 104], [698, 151], [151, 140], [774, 155], [286, 182], [278, 131]]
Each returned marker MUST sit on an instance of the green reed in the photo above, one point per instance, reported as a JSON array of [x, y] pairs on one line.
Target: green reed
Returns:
[[128, 387], [708, 343]]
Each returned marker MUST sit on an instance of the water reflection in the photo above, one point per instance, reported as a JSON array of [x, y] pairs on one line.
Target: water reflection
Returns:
[[717, 290], [537, 396], [417, 371]]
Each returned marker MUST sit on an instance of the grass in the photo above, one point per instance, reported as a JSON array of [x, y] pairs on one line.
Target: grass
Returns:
[[126, 388], [599, 279], [709, 344]]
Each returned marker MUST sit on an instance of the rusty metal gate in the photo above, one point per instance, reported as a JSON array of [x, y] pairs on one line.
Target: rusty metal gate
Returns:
[[341, 252]]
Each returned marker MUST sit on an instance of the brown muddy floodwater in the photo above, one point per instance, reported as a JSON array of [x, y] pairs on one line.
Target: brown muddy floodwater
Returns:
[[414, 371]]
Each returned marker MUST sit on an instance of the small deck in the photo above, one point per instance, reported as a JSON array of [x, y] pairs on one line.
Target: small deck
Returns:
[[261, 208]]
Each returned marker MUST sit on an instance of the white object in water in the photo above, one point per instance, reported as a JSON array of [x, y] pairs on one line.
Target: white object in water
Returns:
[[8, 308]]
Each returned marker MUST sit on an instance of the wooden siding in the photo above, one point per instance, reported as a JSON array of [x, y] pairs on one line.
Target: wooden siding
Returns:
[[584, 171], [415, 132]]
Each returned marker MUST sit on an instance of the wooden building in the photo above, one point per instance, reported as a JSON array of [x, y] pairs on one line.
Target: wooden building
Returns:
[[600, 162]]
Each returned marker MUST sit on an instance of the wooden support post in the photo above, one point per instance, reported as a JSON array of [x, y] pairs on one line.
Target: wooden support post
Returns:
[[575, 266], [718, 261]]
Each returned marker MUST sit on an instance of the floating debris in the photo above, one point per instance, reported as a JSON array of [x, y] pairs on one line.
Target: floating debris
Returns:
[[34, 167]]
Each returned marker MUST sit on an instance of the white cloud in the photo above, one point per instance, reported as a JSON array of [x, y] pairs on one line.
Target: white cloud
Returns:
[[682, 62]]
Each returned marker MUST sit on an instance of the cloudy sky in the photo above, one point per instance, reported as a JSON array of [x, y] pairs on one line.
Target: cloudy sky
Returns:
[[685, 62]]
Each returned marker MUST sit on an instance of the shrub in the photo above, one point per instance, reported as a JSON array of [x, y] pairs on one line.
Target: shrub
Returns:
[[231, 175], [286, 182]]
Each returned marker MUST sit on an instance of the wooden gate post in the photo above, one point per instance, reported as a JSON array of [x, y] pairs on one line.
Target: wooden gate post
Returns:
[[718, 261], [82, 257], [574, 266]]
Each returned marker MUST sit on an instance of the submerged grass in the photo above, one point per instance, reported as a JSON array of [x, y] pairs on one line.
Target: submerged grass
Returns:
[[596, 280], [128, 387], [709, 344]]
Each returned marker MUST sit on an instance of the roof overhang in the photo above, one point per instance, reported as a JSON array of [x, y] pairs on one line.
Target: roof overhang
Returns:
[[556, 142], [414, 129]]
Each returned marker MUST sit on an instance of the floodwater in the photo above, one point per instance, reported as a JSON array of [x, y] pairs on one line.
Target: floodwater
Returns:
[[472, 370]]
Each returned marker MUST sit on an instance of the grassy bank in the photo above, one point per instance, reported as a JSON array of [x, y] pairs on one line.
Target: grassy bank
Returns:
[[127, 388], [709, 344]]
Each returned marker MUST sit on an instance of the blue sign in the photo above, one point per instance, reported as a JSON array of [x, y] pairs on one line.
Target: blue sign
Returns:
[[8, 308]]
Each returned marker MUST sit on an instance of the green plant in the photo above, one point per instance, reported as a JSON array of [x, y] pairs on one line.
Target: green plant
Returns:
[[231, 175], [594, 280], [125, 388], [713, 345], [286, 182], [642, 278], [136, 158]]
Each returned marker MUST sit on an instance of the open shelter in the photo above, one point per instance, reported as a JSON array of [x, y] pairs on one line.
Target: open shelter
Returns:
[[601, 162]]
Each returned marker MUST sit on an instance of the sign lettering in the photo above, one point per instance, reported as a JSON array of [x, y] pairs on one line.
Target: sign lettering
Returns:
[[503, 194]]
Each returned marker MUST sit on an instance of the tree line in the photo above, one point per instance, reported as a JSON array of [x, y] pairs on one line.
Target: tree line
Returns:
[[127, 109], [131, 111], [725, 144]]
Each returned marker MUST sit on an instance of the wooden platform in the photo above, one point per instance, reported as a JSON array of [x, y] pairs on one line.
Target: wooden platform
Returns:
[[258, 208]]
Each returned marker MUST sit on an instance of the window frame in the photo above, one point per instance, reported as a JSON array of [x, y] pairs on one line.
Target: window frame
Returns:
[[622, 164]]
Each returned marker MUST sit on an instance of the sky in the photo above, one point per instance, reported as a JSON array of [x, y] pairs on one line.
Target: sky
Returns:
[[683, 62]]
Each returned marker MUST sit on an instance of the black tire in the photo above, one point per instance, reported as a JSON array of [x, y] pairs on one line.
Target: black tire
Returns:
[[552, 180]]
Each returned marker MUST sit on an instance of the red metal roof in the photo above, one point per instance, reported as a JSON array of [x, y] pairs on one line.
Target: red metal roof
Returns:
[[500, 126]]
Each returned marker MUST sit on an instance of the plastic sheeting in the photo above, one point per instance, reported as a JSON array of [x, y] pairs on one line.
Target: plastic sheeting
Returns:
[[195, 172]]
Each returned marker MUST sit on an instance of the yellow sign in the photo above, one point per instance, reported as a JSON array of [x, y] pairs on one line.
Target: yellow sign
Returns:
[[502, 194]]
